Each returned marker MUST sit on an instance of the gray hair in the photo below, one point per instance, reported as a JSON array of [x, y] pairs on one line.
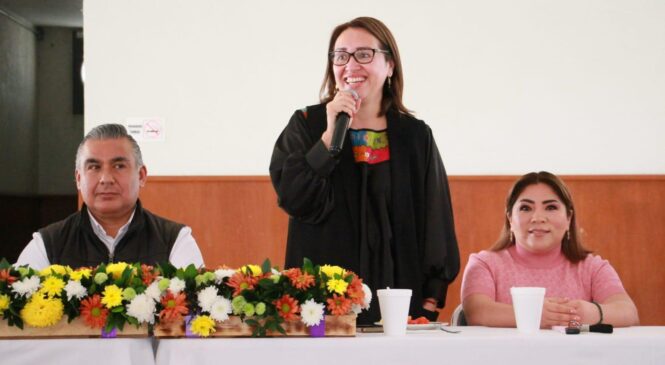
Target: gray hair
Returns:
[[110, 131]]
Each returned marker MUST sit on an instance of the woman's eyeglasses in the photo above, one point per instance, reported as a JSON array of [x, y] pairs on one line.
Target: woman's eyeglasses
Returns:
[[362, 55]]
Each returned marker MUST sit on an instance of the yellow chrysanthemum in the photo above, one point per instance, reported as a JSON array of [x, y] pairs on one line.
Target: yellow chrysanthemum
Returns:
[[80, 274], [4, 302], [116, 269], [331, 271], [112, 296], [203, 326], [41, 312], [255, 270], [52, 286], [55, 269], [337, 286]]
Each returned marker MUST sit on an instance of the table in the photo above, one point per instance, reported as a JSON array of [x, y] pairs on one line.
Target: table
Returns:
[[115, 351], [474, 345]]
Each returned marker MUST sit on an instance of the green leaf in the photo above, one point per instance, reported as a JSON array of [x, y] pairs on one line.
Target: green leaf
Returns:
[[191, 271], [4, 264], [118, 309], [265, 267], [307, 266]]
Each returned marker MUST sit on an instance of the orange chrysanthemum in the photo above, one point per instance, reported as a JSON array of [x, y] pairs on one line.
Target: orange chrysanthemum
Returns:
[[240, 282], [93, 311], [355, 291], [175, 306], [339, 305], [287, 307], [148, 274], [299, 279], [5, 276]]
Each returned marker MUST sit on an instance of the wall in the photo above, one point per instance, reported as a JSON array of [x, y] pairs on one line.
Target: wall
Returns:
[[59, 130], [236, 221], [18, 139], [574, 87]]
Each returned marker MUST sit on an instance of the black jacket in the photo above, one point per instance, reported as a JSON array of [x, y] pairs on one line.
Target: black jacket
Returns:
[[322, 196]]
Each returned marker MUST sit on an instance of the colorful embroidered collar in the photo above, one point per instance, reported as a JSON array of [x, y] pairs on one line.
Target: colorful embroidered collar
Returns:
[[370, 146]]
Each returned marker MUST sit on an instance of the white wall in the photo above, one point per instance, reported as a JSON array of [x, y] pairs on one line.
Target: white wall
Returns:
[[570, 86]]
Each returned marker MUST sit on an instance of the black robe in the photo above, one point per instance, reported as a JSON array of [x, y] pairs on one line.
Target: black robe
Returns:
[[322, 196]]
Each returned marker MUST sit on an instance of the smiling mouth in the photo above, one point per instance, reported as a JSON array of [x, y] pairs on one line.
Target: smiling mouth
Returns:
[[539, 232], [354, 80]]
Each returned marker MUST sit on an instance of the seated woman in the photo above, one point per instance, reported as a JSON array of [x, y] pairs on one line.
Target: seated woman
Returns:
[[540, 246]]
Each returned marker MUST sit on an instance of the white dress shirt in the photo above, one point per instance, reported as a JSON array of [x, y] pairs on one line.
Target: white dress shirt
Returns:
[[185, 251]]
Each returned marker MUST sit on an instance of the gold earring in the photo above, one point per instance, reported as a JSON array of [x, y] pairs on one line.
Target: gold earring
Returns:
[[389, 82], [568, 235], [512, 237]]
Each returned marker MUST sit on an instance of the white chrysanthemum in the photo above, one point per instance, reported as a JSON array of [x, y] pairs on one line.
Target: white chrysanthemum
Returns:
[[207, 297], [355, 308], [220, 309], [27, 286], [74, 289], [368, 296], [153, 291], [311, 312], [220, 274], [176, 286], [142, 307]]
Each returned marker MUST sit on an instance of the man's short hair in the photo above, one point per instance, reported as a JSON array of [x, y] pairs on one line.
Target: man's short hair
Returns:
[[110, 131]]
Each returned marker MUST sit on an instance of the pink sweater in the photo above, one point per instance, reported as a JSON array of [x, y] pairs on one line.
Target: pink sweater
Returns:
[[494, 273]]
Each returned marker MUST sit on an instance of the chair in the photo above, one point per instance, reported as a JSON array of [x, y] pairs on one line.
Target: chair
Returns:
[[458, 318]]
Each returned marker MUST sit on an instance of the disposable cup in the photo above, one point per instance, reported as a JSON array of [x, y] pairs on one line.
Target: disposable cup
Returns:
[[394, 305], [528, 307]]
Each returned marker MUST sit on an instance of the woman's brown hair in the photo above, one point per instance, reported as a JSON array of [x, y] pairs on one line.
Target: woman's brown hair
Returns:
[[392, 92], [571, 244]]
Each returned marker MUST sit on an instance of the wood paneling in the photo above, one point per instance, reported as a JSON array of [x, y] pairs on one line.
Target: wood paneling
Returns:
[[236, 221]]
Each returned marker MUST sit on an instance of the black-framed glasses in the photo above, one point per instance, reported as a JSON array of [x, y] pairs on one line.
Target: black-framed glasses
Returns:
[[362, 55]]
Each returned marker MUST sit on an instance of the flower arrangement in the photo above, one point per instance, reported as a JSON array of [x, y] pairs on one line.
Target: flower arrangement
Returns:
[[110, 296]]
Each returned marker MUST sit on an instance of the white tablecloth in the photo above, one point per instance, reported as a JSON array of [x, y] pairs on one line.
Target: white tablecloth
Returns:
[[117, 351], [475, 345]]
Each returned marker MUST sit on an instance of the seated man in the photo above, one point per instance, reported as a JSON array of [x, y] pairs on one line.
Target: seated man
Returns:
[[112, 225]]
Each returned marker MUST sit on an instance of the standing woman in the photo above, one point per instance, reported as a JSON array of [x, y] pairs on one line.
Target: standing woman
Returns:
[[381, 207]]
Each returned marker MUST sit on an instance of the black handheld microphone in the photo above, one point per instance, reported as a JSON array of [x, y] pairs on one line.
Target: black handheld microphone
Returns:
[[341, 125]]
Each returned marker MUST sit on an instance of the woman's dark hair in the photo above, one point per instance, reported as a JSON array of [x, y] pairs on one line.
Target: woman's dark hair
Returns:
[[392, 92], [571, 244]]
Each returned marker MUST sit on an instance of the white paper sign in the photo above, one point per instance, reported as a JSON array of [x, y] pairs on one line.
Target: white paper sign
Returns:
[[147, 129]]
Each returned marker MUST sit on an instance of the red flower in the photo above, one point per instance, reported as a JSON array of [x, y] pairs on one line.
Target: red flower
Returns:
[[5, 276], [299, 279], [287, 307], [240, 282], [338, 305], [148, 274], [175, 306], [93, 311]]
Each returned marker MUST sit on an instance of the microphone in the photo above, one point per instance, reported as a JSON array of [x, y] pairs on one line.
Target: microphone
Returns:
[[341, 125]]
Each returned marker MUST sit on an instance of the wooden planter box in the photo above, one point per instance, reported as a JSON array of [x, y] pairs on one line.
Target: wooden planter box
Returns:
[[76, 329], [337, 326]]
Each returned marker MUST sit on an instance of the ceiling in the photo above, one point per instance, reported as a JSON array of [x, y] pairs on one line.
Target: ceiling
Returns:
[[48, 13]]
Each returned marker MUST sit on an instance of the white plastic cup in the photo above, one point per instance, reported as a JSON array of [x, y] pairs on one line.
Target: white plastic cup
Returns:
[[394, 304], [528, 307]]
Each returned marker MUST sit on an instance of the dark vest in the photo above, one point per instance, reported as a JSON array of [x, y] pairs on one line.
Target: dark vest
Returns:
[[72, 241]]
